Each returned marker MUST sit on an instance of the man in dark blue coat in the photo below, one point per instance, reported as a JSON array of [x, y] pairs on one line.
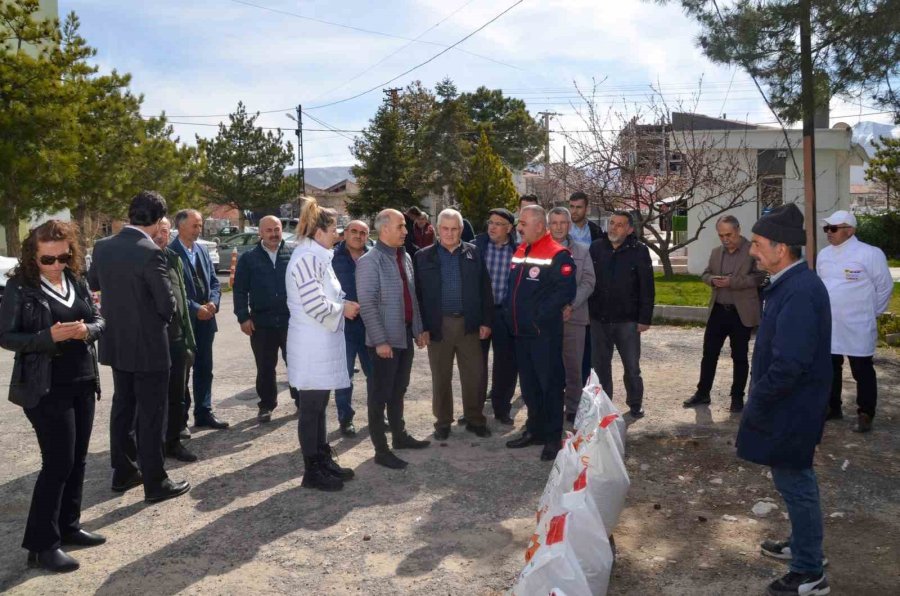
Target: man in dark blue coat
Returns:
[[260, 304], [355, 245], [203, 296], [789, 390]]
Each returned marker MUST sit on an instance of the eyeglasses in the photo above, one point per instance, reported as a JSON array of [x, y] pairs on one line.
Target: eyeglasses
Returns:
[[833, 229], [64, 259]]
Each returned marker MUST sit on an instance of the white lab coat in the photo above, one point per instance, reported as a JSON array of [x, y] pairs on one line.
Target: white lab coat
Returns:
[[859, 286]]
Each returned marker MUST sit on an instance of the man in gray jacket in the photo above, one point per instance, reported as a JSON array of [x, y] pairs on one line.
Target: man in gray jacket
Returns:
[[386, 288], [575, 315]]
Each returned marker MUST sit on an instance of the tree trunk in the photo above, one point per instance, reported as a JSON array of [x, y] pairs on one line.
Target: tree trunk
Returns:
[[80, 217], [666, 261], [13, 242]]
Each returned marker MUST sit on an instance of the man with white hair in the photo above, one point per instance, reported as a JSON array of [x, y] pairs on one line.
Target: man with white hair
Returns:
[[541, 284], [457, 305], [859, 286]]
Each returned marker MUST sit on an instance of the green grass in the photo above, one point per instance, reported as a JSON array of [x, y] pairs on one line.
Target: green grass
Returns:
[[893, 262], [894, 304], [682, 290]]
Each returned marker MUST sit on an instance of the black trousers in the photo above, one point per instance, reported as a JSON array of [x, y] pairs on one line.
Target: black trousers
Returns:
[[265, 343], [505, 373], [543, 379], [386, 387], [177, 380], [311, 424], [866, 385], [724, 322], [62, 420], [138, 407]]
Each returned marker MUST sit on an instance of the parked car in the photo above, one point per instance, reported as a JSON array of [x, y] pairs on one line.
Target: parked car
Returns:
[[211, 247], [243, 243], [7, 264]]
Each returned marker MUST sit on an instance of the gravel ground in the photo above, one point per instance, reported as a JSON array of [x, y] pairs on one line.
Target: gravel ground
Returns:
[[458, 519]]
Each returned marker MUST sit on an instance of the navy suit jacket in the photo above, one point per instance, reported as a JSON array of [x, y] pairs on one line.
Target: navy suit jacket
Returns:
[[204, 271]]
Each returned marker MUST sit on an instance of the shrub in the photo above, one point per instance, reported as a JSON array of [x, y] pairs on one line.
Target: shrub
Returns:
[[882, 230]]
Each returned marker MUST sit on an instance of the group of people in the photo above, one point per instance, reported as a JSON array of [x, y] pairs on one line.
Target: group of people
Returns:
[[548, 294]]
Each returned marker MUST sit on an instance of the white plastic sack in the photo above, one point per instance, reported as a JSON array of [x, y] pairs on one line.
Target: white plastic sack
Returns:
[[565, 470], [608, 478], [596, 405], [569, 551]]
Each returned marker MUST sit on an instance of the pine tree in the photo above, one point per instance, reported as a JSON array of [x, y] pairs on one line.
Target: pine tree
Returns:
[[488, 184], [884, 167], [384, 164], [245, 165]]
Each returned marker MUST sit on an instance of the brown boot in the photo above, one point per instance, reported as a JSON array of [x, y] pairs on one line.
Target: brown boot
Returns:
[[863, 423]]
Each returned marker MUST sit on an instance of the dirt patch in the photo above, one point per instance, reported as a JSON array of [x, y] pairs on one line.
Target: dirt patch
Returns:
[[458, 519]]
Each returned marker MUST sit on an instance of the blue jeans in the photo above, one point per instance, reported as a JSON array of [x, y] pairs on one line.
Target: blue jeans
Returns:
[[356, 346], [607, 337], [800, 491]]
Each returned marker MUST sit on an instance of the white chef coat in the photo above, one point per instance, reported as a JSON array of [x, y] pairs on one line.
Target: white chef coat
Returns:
[[859, 286]]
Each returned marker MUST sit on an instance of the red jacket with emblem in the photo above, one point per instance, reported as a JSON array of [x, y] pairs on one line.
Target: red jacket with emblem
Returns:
[[541, 283]]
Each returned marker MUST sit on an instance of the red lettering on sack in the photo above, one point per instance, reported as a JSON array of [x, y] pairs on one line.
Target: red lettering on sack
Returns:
[[557, 530], [607, 420], [581, 481], [566, 270]]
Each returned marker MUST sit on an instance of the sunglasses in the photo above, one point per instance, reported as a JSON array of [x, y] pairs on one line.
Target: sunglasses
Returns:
[[833, 229], [64, 259]]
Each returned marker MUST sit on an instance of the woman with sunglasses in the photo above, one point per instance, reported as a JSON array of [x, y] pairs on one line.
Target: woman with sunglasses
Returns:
[[49, 319]]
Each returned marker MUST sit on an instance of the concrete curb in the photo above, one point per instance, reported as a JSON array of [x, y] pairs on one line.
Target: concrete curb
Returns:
[[680, 314]]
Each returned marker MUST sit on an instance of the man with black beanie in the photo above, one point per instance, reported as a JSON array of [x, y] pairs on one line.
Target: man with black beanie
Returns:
[[789, 390]]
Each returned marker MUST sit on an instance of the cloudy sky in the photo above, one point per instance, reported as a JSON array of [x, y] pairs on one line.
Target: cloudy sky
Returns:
[[193, 58]]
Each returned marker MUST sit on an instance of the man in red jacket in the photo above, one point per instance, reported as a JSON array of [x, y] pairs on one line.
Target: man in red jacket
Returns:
[[541, 284]]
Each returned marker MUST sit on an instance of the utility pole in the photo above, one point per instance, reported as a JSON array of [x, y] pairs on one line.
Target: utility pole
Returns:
[[301, 170], [808, 107], [546, 116], [393, 96]]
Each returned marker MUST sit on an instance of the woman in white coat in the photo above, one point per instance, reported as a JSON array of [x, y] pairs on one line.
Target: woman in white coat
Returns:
[[316, 354]]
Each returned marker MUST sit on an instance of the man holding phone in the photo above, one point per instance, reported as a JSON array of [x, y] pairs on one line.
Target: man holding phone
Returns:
[[733, 311]]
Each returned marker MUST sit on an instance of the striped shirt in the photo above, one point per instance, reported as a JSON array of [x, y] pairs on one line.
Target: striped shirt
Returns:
[[497, 260], [451, 280], [311, 275]]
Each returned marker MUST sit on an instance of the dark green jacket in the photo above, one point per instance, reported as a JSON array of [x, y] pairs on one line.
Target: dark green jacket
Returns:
[[180, 328]]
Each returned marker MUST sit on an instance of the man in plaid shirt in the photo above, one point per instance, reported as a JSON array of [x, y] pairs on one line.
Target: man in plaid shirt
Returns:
[[497, 248]]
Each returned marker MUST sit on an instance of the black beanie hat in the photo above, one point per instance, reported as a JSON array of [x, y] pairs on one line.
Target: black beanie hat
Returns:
[[783, 224], [504, 213]]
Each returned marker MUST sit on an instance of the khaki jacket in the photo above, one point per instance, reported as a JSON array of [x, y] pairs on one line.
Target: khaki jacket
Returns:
[[745, 282]]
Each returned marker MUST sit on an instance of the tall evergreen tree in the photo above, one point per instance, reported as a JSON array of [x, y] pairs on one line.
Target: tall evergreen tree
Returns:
[[855, 46], [884, 168], [245, 164], [384, 160], [445, 148], [515, 136], [488, 184]]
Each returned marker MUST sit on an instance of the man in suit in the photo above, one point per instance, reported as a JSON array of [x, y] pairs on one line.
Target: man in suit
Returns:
[[457, 306], [137, 301], [733, 311], [203, 295]]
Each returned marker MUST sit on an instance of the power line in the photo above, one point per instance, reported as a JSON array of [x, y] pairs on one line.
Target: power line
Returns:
[[421, 64]]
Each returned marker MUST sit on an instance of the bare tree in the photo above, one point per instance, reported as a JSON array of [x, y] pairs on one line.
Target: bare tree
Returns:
[[664, 166]]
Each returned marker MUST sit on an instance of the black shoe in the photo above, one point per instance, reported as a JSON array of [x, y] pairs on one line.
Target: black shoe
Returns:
[[737, 405], [330, 465], [504, 419], [863, 423], [167, 490], [480, 431], [442, 433], [781, 549], [210, 421], [461, 420], [55, 560], [525, 440], [548, 453], [185, 434], [389, 460], [698, 399], [348, 429], [636, 412], [316, 476], [406, 441], [836, 414], [804, 584], [264, 415], [83, 538], [570, 418], [180, 452], [120, 486]]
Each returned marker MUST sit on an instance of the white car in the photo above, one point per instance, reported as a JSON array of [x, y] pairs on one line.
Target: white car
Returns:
[[211, 247], [6, 265]]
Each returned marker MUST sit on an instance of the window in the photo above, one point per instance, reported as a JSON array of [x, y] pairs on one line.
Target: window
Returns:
[[770, 194]]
